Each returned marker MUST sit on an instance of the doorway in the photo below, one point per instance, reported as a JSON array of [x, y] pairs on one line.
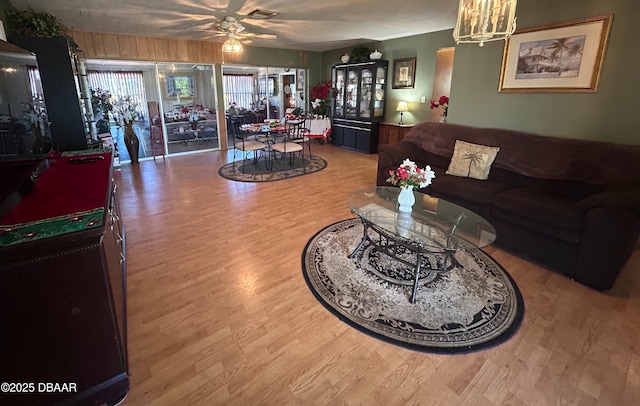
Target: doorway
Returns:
[[442, 78]]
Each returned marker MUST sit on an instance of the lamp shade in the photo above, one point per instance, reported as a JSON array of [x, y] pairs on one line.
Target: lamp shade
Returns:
[[480, 21], [232, 44], [402, 106]]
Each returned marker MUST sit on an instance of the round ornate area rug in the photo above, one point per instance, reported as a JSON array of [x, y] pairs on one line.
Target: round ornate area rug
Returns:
[[472, 307], [257, 171]]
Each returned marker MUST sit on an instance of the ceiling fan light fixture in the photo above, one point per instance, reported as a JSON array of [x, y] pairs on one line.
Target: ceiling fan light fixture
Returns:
[[232, 44]]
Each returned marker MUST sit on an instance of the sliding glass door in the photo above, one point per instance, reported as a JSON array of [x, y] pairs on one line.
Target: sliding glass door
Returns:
[[187, 107], [177, 102]]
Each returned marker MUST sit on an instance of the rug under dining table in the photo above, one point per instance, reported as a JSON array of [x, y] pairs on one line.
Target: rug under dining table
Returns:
[[260, 171]]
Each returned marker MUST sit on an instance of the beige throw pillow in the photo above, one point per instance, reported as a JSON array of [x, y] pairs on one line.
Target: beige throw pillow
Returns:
[[472, 160]]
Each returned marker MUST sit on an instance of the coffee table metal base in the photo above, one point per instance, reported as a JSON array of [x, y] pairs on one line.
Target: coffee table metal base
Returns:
[[394, 245]]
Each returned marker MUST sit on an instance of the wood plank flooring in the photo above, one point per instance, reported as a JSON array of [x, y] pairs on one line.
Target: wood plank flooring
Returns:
[[219, 312]]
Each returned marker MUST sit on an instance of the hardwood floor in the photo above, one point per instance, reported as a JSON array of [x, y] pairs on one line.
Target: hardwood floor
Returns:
[[219, 312]]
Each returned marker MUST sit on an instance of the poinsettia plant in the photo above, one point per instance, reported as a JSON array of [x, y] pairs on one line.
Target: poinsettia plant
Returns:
[[443, 101], [408, 174], [320, 97]]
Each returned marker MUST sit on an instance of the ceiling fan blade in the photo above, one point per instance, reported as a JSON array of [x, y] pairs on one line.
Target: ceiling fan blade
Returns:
[[261, 36]]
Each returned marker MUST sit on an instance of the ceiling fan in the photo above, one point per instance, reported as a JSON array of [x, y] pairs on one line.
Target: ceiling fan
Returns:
[[230, 27]]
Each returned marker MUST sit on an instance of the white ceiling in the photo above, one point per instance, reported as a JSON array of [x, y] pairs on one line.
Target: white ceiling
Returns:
[[311, 25]]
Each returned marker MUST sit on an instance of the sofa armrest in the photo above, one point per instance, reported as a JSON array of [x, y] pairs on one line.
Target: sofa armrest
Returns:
[[390, 156], [400, 151], [621, 196]]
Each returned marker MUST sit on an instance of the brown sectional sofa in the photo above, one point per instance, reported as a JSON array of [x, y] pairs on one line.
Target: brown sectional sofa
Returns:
[[573, 205]]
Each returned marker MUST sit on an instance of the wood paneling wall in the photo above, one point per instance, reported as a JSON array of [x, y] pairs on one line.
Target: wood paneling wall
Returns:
[[131, 47]]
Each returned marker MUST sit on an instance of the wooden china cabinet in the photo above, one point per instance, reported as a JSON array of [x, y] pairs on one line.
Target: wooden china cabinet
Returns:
[[359, 104]]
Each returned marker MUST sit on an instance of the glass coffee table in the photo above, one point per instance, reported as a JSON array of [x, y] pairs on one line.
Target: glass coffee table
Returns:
[[426, 239]]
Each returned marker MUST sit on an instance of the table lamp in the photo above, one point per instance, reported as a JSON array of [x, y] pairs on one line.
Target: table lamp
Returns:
[[402, 107]]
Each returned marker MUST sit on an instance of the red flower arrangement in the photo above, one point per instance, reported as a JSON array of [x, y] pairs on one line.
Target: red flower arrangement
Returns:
[[320, 95], [442, 101], [321, 90]]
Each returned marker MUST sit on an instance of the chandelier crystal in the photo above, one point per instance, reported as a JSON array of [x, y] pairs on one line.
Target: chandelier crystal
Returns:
[[232, 44], [480, 21]]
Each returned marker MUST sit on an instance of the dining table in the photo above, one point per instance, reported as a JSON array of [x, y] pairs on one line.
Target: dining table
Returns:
[[263, 128]]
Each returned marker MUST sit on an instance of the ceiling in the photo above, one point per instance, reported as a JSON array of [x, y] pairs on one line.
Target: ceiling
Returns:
[[311, 25]]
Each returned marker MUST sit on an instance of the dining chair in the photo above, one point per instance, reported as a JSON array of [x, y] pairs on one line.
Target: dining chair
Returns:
[[287, 146], [242, 144], [299, 133]]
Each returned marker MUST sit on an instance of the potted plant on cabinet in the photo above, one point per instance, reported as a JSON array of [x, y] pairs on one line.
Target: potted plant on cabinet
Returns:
[[33, 23]]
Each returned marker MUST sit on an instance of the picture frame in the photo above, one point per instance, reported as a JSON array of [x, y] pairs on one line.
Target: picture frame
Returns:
[[404, 73], [565, 57], [180, 86], [300, 79]]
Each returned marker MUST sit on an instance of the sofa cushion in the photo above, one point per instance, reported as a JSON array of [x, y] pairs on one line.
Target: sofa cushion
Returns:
[[472, 160], [466, 189], [552, 215]]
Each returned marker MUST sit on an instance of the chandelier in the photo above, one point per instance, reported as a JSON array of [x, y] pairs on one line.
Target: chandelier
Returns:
[[232, 44], [480, 21]]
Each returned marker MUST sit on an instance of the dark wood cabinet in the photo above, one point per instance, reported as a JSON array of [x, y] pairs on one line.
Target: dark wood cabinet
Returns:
[[65, 90], [357, 135], [63, 306], [392, 133], [359, 104]]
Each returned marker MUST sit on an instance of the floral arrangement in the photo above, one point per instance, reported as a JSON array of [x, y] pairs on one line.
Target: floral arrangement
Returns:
[[35, 116], [320, 97], [125, 110], [443, 101], [187, 113], [101, 100], [102, 107], [408, 174]]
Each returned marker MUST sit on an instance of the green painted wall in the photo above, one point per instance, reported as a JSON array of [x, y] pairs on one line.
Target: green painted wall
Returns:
[[608, 115], [611, 114]]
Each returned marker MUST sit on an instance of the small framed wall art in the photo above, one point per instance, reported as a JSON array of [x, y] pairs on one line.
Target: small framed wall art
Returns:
[[404, 73], [559, 58], [300, 79]]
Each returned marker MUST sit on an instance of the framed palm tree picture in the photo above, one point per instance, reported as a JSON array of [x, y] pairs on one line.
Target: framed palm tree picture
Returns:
[[560, 58]]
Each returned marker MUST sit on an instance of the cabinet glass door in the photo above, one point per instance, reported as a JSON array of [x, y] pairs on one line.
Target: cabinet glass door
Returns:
[[379, 92], [338, 83], [366, 86], [351, 97]]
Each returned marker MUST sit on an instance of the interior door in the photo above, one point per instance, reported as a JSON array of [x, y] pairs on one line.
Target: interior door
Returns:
[[288, 87]]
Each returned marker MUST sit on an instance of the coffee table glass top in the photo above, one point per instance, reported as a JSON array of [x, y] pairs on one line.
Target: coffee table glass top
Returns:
[[432, 223]]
